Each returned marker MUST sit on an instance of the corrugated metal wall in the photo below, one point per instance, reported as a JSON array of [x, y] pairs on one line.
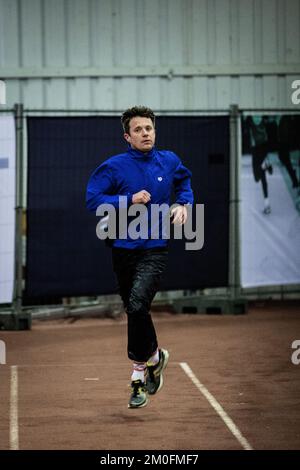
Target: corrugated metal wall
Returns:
[[169, 54]]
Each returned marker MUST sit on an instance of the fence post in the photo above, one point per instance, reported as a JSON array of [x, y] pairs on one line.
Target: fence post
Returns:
[[18, 277], [234, 204]]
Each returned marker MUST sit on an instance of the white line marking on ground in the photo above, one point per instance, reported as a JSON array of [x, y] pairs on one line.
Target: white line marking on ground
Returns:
[[91, 378], [14, 427], [72, 364], [217, 407], [66, 364]]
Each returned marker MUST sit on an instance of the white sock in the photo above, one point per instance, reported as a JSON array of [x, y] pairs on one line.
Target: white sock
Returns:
[[267, 202], [138, 371], [154, 359]]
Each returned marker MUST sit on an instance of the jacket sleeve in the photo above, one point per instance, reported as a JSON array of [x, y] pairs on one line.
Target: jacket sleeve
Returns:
[[101, 189], [182, 185]]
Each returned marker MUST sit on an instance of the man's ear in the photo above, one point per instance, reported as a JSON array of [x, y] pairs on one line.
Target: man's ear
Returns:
[[127, 137]]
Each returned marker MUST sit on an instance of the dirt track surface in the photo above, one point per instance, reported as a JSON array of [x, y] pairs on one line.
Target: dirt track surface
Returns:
[[243, 361]]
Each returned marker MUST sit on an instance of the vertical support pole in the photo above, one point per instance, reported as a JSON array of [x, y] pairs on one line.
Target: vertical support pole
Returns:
[[18, 278], [234, 207]]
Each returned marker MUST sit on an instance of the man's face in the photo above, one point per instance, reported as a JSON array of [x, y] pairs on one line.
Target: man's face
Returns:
[[141, 134]]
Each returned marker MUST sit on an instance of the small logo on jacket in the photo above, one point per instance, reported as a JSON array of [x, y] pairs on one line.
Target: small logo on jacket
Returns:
[[159, 178]]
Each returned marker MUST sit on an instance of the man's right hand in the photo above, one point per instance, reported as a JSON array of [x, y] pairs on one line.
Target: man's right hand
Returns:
[[142, 197]]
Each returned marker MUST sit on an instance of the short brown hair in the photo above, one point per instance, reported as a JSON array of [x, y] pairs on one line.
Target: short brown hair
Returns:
[[140, 111]]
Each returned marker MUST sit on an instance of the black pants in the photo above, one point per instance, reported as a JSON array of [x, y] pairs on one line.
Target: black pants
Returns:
[[259, 153], [284, 156], [139, 273]]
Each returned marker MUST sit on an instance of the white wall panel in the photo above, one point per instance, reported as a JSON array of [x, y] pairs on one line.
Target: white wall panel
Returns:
[[211, 32], [102, 90], [149, 91], [78, 38], [282, 91], [127, 40], [101, 32], [55, 33], [153, 41], [235, 90], [222, 22], [175, 40], [79, 93], [13, 92], [258, 93], [125, 92], [223, 92], [199, 28], [31, 33], [245, 37], [234, 31], [247, 95], [163, 12], [270, 91], [32, 93], [176, 93], [55, 93], [257, 34], [173, 93], [292, 28], [269, 32], [9, 35], [40, 41], [199, 92], [212, 95], [281, 31]]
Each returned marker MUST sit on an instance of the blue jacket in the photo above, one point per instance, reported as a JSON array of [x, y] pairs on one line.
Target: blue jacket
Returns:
[[157, 171]]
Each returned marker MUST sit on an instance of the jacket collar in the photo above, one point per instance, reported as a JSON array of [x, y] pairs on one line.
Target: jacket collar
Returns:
[[138, 154]]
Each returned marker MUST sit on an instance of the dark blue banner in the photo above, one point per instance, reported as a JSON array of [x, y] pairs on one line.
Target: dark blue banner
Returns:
[[64, 256]]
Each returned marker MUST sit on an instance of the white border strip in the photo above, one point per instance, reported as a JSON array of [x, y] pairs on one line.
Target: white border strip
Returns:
[[217, 407], [14, 427]]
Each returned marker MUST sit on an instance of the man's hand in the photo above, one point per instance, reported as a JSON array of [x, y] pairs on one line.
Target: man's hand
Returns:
[[179, 215], [142, 197]]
